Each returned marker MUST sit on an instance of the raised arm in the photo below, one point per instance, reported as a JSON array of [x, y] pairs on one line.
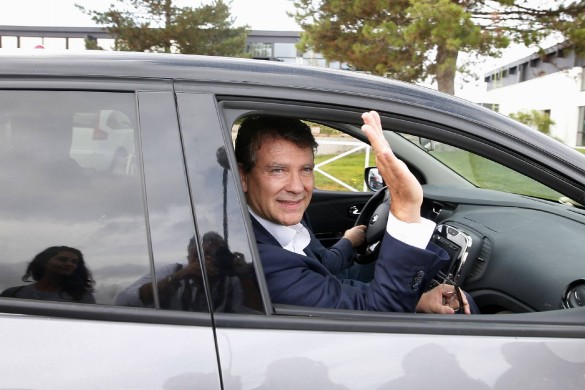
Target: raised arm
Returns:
[[405, 191]]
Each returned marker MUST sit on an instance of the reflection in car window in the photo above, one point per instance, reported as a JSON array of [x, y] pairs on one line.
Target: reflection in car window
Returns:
[[228, 262], [482, 172], [71, 209]]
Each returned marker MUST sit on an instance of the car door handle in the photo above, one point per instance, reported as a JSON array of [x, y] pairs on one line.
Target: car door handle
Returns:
[[354, 211]]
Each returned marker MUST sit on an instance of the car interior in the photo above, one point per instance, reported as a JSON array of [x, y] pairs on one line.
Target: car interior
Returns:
[[514, 241]]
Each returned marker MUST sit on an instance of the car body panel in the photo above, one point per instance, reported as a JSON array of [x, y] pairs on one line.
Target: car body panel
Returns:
[[71, 354], [330, 360]]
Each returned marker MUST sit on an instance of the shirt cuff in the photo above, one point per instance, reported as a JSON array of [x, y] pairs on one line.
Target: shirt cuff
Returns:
[[414, 234]]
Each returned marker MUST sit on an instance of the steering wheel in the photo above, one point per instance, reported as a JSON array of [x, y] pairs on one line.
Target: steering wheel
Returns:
[[375, 216]]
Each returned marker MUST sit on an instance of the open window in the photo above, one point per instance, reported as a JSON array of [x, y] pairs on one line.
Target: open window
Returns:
[[510, 211]]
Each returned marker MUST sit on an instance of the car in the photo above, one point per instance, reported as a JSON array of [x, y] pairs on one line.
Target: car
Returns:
[[508, 202], [103, 140]]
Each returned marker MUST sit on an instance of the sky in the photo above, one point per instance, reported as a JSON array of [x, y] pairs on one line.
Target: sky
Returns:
[[258, 14]]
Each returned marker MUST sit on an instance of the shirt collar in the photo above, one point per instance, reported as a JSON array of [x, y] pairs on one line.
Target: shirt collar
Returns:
[[293, 238]]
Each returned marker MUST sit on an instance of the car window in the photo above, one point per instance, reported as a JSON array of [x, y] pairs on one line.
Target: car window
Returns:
[[71, 212], [229, 266]]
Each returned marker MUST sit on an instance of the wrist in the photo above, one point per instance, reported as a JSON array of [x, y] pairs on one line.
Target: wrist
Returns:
[[406, 214]]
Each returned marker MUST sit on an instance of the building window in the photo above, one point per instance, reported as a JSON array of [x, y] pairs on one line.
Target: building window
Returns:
[[492, 106], [260, 50]]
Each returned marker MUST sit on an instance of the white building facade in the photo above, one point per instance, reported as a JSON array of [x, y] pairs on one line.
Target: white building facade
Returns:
[[551, 82]]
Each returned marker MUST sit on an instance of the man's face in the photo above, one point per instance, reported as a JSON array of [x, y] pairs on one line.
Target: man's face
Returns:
[[280, 185]]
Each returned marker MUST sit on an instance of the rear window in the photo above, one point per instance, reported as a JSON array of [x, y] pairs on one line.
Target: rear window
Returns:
[[72, 220]]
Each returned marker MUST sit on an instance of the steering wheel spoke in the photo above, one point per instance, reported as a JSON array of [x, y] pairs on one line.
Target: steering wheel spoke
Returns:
[[375, 216]]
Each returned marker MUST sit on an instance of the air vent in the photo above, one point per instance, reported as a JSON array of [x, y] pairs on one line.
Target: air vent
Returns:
[[482, 260], [574, 294]]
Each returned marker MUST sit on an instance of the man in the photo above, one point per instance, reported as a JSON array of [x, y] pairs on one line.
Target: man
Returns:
[[180, 285], [275, 160]]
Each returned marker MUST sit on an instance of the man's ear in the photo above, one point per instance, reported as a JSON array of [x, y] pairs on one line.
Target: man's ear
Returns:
[[243, 177]]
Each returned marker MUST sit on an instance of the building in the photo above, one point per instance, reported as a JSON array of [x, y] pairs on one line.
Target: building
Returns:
[[260, 44], [551, 81]]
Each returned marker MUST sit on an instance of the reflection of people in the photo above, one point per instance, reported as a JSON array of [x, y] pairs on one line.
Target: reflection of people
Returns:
[[180, 285], [275, 160], [60, 274]]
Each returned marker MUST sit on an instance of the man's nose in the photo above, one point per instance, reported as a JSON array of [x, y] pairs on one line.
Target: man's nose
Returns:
[[295, 183]]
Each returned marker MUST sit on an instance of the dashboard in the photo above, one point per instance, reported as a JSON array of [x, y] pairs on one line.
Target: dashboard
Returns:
[[525, 254]]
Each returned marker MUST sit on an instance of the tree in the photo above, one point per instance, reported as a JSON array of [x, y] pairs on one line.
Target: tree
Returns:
[[159, 26], [413, 40], [208, 30], [91, 43], [540, 120]]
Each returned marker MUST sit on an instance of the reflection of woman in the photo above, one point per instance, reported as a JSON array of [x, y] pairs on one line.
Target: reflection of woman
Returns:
[[60, 274]]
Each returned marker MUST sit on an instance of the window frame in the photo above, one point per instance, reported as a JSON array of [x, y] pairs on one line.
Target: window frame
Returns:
[[541, 324]]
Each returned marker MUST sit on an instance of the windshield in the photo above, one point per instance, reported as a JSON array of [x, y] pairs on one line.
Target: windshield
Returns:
[[484, 173]]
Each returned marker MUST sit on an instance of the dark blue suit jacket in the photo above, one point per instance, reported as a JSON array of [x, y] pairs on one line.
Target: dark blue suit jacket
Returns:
[[336, 258], [402, 272]]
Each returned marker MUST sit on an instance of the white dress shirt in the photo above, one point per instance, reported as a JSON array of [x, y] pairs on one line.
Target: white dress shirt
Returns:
[[295, 238]]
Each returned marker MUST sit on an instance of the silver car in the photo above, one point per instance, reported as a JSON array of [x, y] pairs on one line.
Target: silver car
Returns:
[[89, 293]]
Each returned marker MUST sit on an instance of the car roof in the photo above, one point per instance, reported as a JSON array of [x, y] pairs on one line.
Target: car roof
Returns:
[[228, 70], [216, 69]]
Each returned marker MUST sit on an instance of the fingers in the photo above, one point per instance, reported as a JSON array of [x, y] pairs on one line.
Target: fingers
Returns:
[[357, 235], [433, 302], [466, 307], [373, 129]]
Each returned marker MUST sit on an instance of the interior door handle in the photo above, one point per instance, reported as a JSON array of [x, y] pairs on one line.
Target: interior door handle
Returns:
[[354, 211]]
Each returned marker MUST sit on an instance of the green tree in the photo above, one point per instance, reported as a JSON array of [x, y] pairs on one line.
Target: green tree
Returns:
[[414, 40], [208, 30], [159, 26], [540, 120], [91, 43]]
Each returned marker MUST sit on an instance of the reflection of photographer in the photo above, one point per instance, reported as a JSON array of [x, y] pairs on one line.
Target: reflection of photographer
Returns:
[[180, 285]]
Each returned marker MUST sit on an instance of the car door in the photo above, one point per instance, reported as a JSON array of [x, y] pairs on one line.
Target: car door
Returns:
[[122, 226], [301, 347]]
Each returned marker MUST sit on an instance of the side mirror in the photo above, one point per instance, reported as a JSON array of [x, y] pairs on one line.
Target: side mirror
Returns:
[[373, 179]]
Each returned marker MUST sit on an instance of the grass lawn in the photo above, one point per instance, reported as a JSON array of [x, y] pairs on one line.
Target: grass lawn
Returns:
[[349, 169], [478, 170]]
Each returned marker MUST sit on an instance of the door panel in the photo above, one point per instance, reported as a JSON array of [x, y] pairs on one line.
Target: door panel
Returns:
[[354, 360], [63, 354], [50, 199], [331, 213]]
